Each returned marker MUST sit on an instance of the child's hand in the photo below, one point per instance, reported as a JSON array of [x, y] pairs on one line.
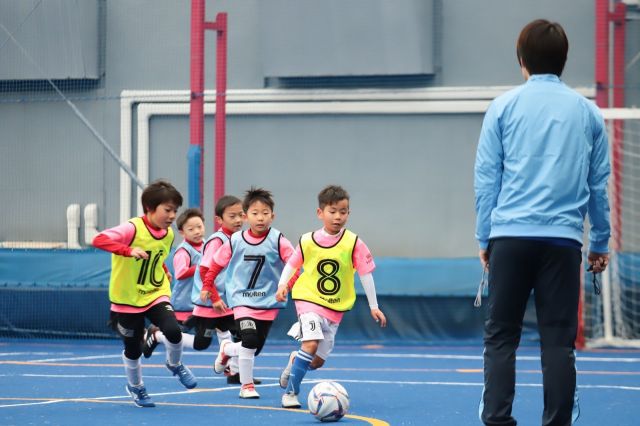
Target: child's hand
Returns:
[[204, 295], [281, 294], [379, 317], [219, 306], [138, 253]]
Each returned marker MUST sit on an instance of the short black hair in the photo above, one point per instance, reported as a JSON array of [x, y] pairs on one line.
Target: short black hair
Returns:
[[158, 192], [257, 194], [332, 194], [188, 214], [224, 202], [542, 47]]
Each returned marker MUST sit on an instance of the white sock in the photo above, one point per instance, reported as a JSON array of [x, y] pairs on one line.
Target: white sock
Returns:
[[133, 370], [174, 352], [233, 365], [246, 359], [233, 348], [223, 335], [187, 339]]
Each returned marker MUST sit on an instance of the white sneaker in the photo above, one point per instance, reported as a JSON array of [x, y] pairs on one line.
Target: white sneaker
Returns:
[[290, 400], [222, 359], [249, 392], [284, 376]]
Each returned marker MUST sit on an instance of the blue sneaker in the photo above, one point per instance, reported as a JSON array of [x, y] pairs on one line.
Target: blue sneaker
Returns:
[[140, 396], [185, 375]]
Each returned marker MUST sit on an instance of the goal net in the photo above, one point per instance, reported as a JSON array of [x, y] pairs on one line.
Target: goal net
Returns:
[[612, 318]]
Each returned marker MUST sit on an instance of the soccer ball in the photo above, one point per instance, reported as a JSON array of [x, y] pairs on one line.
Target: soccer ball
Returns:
[[328, 401]]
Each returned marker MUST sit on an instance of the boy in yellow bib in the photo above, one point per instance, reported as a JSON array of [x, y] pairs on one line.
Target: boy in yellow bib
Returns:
[[325, 290], [139, 287]]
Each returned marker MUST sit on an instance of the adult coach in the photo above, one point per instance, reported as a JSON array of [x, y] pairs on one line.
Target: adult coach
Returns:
[[542, 165]]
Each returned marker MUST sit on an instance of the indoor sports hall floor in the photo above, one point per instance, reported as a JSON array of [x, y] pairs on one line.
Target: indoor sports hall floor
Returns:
[[79, 382]]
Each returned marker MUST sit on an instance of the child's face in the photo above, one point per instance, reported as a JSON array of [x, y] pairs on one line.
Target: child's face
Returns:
[[193, 230], [232, 218], [259, 216], [163, 215], [334, 216]]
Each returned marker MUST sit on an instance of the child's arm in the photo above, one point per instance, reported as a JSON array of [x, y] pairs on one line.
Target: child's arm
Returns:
[[363, 261], [208, 251], [182, 264], [116, 240], [209, 291], [291, 270], [287, 279], [370, 291], [208, 283]]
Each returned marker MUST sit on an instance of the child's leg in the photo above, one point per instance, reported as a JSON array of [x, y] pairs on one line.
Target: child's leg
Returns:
[[300, 366], [188, 340], [233, 362], [165, 319], [312, 335], [246, 360], [250, 341], [162, 315], [223, 335], [133, 370], [131, 328], [204, 333], [325, 346], [253, 334]]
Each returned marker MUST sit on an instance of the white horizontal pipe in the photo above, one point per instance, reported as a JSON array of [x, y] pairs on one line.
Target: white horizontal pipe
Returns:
[[437, 100]]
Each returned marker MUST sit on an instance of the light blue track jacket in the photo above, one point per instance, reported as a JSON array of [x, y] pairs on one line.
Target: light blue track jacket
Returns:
[[542, 165]]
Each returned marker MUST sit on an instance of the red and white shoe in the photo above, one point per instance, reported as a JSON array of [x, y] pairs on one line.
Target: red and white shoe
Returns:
[[222, 359], [248, 391]]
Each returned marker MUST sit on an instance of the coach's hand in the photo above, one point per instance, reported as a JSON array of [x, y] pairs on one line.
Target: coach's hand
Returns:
[[598, 262], [484, 259]]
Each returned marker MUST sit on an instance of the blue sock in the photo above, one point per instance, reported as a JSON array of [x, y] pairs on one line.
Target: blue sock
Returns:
[[298, 370]]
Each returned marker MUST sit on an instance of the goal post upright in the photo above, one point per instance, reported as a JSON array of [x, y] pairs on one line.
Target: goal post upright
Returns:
[[612, 318], [196, 117]]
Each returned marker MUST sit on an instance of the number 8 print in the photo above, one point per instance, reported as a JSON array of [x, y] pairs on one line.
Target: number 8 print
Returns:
[[328, 276]]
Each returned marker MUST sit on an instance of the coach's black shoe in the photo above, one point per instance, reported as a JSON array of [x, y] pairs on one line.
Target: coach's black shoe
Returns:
[[150, 341]]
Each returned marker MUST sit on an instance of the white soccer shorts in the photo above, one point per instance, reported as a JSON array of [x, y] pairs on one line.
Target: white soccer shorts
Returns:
[[315, 327]]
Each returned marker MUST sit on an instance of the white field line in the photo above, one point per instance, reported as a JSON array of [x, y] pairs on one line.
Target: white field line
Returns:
[[380, 382], [208, 353]]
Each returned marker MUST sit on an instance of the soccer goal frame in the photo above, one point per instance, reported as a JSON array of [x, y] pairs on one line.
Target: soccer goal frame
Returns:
[[613, 317]]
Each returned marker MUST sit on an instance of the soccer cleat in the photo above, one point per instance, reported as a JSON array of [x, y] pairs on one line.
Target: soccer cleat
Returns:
[[234, 379], [185, 375], [222, 359], [249, 392], [150, 341], [284, 376], [290, 400], [140, 396]]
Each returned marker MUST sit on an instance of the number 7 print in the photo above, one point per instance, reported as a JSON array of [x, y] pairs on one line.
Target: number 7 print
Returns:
[[259, 259]]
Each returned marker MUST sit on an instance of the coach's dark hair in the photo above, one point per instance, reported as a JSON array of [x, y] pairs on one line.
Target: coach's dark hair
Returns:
[[257, 194], [331, 195], [158, 192], [188, 214], [224, 202], [542, 47]]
